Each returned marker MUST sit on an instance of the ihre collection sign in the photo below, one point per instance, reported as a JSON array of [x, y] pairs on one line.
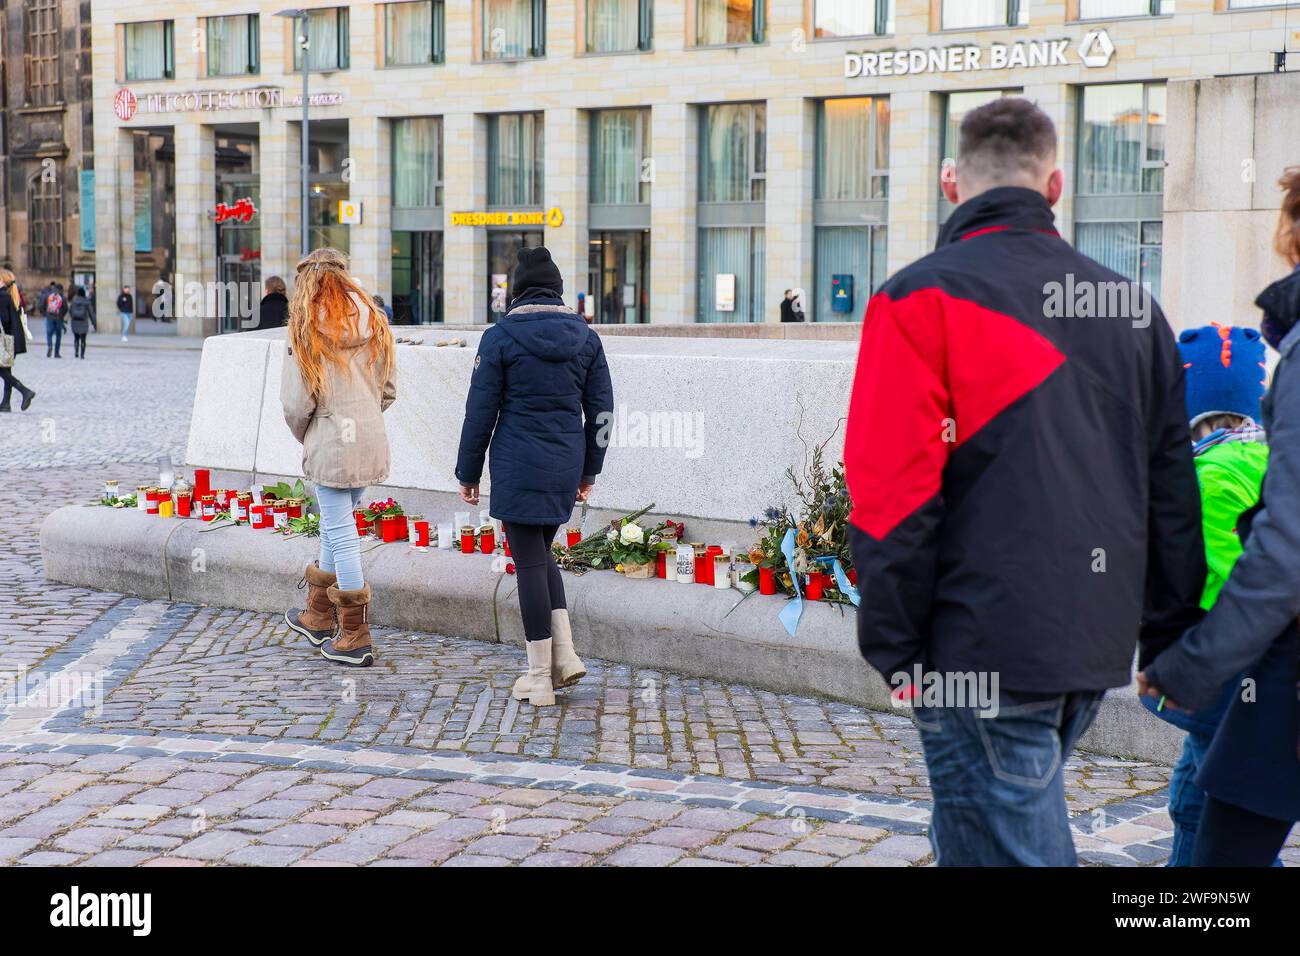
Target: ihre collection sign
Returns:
[[1094, 50], [126, 104]]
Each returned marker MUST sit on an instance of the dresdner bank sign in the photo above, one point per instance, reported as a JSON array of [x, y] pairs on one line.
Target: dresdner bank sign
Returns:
[[1094, 50]]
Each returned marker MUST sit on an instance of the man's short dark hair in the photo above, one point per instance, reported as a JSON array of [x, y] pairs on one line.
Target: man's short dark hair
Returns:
[[1006, 140]]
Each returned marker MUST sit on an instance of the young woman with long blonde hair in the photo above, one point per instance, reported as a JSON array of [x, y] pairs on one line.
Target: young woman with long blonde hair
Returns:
[[11, 322], [339, 377]]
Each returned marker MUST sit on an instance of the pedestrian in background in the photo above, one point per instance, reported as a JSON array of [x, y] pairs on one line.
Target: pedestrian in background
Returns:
[[125, 309], [273, 310], [13, 323], [538, 395], [1251, 774], [339, 377], [53, 308], [384, 307], [81, 314], [788, 313], [1001, 455]]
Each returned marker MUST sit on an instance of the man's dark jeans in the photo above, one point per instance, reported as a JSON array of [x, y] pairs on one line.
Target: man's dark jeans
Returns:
[[999, 793]]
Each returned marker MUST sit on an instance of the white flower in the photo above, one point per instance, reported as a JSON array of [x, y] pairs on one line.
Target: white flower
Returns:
[[632, 533]]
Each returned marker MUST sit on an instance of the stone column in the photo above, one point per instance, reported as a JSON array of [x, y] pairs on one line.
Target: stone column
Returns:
[[567, 133], [372, 241], [791, 168], [196, 241], [277, 166], [673, 139], [114, 221], [465, 296], [913, 186]]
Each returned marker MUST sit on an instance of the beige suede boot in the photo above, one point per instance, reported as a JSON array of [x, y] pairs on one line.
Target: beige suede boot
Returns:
[[535, 686], [566, 666]]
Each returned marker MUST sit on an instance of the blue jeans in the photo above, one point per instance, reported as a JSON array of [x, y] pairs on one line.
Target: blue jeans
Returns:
[[53, 334], [126, 322], [340, 546], [999, 794]]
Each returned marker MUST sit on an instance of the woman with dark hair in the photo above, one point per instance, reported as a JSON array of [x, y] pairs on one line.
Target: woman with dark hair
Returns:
[[539, 394], [273, 310], [1251, 774]]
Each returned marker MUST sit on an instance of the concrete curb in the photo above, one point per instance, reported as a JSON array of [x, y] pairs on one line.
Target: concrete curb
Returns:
[[687, 629]]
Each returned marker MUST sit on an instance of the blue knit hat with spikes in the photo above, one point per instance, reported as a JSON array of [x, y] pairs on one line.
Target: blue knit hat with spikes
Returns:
[[1224, 371]]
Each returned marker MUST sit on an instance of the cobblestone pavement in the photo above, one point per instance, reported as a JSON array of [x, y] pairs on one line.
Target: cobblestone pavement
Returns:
[[118, 404], [211, 736]]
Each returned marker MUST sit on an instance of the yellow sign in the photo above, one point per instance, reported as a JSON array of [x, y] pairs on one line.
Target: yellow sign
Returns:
[[530, 217], [349, 213]]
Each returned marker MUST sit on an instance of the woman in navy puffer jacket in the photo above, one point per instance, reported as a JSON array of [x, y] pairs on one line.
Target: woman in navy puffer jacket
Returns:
[[539, 396]]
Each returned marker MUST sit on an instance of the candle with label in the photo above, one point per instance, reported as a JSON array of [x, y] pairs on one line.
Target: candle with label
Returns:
[[685, 563]]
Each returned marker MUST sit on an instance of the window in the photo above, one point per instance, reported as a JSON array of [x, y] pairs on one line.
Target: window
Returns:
[[44, 224], [232, 45], [619, 26], [730, 22], [514, 29], [955, 108], [417, 162], [1122, 139], [965, 14], [733, 185], [1103, 9], [41, 53], [851, 211], [1119, 200], [620, 143], [327, 40], [853, 148], [853, 18], [415, 33], [515, 159], [733, 160], [149, 51], [1245, 4]]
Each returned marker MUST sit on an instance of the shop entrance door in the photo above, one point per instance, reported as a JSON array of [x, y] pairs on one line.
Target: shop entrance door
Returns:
[[503, 249], [618, 276]]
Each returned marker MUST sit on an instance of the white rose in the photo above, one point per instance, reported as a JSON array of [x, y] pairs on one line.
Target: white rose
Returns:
[[632, 533]]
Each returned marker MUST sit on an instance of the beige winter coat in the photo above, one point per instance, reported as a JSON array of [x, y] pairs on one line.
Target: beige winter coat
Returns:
[[343, 440]]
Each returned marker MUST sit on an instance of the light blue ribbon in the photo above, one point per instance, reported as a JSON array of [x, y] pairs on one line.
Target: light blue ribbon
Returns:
[[793, 610], [842, 582]]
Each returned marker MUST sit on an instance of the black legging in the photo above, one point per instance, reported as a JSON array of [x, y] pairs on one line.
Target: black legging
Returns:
[[79, 345], [7, 376], [541, 589], [1231, 836]]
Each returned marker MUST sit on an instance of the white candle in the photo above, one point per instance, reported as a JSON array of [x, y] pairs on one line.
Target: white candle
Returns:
[[444, 536]]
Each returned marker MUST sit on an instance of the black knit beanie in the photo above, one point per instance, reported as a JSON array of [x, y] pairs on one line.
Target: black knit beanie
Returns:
[[535, 270]]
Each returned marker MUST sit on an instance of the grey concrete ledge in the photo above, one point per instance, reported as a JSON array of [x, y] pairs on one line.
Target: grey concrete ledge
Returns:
[[687, 629]]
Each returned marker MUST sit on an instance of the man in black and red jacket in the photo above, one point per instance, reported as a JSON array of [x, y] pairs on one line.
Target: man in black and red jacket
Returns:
[[1025, 501]]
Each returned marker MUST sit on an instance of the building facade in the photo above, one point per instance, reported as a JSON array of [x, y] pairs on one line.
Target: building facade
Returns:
[[45, 142], [684, 160]]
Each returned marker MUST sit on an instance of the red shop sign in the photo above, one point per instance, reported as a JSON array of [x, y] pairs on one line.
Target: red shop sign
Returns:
[[242, 211]]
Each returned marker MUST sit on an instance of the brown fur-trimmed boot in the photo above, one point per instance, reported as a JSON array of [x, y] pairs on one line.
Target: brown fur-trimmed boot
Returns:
[[352, 646], [317, 621]]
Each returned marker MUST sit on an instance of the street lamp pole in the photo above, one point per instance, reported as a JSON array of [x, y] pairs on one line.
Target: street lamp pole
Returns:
[[306, 137]]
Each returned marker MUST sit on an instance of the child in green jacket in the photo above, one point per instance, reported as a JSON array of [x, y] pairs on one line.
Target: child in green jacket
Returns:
[[1225, 380]]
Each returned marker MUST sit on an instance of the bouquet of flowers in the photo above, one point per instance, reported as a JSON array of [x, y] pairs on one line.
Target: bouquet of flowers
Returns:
[[820, 528], [388, 508], [623, 542]]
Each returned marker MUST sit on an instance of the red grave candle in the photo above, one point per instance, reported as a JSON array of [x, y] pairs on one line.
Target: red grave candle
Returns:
[[421, 534], [466, 540], [257, 516], [661, 564], [202, 483], [388, 528], [766, 581], [487, 540], [814, 586], [573, 536], [182, 505]]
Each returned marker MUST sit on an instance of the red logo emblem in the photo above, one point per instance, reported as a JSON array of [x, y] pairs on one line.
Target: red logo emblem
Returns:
[[124, 104]]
